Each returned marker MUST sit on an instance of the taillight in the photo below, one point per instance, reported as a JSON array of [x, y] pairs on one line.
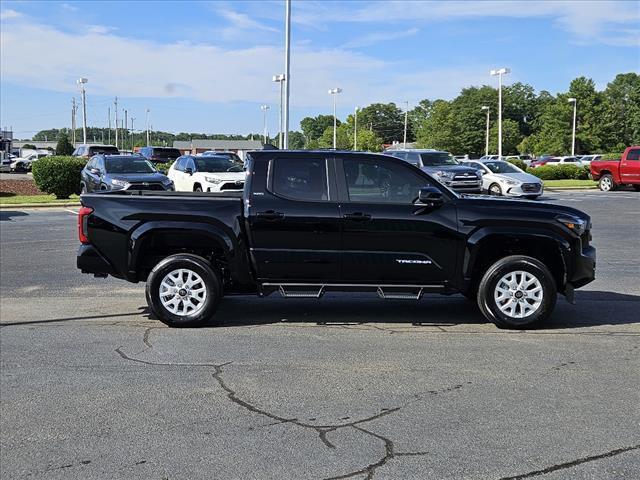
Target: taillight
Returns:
[[83, 217]]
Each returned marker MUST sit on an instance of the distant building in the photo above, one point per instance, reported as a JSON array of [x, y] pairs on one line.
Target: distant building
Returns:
[[241, 147]]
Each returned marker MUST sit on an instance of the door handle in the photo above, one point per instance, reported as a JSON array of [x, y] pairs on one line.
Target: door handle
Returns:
[[357, 216], [270, 215]]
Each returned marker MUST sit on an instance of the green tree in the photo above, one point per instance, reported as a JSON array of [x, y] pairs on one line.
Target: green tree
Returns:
[[296, 140], [386, 120], [29, 146], [368, 141], [64, 146], [511, 137], [344, 141], [620, 113], [438, 129], [314, 127]]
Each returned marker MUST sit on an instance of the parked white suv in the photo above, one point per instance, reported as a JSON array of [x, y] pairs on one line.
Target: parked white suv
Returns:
[[206, 174]]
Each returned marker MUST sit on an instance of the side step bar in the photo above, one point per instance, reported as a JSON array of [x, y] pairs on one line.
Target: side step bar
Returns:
[[314, 290]]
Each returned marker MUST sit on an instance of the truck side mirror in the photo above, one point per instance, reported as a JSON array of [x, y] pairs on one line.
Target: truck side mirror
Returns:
[[431, 197]]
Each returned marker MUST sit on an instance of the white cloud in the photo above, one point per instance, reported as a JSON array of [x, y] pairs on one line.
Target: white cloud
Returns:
[[585, 20], [8, 14], [100, 29], [379, 37], [69, 7]]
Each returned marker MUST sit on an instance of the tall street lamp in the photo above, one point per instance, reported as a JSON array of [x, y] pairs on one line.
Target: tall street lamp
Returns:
[[499, 72], [264, 109], [280, 79], [334, 91], [287, 70], [573, 135], [486, 142], [406, 117], [355, 129], [147, 124], [81, 81]]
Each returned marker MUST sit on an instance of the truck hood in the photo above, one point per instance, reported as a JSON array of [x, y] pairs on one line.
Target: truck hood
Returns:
[[519, 205], [450, 168]]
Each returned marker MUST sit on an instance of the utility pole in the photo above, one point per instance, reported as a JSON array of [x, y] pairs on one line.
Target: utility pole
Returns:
[[81, 82], [109, 123], [125, 132], [74, 109], [334, 92], [264, 109], [499, 73], [406, 118], [132, 136], [280, 79], [116, 132], [287, 71], [355, 129], [573, 134], [486, 141], [147, 122]]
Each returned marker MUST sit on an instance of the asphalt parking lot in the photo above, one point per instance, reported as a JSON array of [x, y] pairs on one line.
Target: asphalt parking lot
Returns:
[[347, 387]]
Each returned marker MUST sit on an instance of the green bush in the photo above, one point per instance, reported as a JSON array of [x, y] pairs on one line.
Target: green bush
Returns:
[[518, 163], [611, 156], [560, 172], [58, 175], [163, 167]]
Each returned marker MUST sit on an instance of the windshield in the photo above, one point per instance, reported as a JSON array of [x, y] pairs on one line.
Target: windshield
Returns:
[[216, 164], [434, 159], [128, 165], [502, 167]]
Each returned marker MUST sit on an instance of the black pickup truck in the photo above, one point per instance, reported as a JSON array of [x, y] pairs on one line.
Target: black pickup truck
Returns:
[[309, 222]]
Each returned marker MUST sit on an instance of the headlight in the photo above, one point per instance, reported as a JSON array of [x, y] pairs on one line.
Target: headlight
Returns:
[[512, 182], [578, 225], [119, 183], [443, 174], [213, 180]]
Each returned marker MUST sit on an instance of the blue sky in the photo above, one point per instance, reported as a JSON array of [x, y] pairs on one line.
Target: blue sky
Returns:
[[207, 66]]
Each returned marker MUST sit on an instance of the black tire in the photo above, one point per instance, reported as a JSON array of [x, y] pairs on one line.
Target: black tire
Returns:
[[487, 302], [210, 279], [198, 188], [606, 183], [494, 189]]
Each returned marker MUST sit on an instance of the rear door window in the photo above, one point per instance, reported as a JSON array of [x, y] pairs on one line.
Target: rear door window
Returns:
[[300, 179]]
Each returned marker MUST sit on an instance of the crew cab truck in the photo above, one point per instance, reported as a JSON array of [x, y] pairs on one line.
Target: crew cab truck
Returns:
[[309, 222], [611, 174]]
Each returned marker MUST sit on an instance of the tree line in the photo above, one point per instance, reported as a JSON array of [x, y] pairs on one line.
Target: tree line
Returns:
[[533, 123]]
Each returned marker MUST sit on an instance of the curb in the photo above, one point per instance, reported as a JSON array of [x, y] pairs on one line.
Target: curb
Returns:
[[37, 205]]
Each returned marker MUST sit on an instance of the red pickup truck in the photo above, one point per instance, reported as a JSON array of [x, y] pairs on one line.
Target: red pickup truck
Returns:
[[614, 173]]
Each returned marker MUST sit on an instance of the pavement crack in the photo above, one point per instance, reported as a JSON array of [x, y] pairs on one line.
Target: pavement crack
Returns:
[[562, 466]]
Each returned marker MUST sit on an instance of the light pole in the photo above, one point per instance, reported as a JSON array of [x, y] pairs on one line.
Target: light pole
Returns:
[[500, 72], [406, 115], [147, 124], [81, 82], [264, 109], [133, 134], [355, 129], [287, 70], [334, 91], [573, 135], [280, 79], [486, 142]]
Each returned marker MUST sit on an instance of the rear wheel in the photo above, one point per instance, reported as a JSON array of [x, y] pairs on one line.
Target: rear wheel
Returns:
[[517, 292], [183, 291], [606, 183], [636, 188], [198, 188]]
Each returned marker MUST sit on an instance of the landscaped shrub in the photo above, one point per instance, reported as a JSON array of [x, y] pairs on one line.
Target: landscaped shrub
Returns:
[[163, 167], [58, 175], [611, 156], [560, 172], [518, 163]]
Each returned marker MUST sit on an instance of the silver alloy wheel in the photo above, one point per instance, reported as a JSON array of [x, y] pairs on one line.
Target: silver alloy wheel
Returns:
[[605, 184], [183, 292], [518, 294], [495, 189]]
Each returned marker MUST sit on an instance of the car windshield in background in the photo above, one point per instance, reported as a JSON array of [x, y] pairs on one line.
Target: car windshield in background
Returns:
[[502, 167], [115, 165], [437, 159], [166, 152], [216, 164]]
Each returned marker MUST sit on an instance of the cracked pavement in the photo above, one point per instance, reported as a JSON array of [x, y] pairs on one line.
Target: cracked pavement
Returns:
[[348, 387]]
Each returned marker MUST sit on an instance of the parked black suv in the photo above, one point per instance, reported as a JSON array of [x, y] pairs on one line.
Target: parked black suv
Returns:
[[309, 222], [122, 172], [443, 167], [160, 154]]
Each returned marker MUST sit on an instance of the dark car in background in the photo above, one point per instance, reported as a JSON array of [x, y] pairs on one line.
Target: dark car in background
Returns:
[[444, 168], [89, 150], [122, 172], [160, 154]]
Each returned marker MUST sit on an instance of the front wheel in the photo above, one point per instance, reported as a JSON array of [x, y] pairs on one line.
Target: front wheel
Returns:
[[517, 292], [494, 189], [606, 183], [183, 291]]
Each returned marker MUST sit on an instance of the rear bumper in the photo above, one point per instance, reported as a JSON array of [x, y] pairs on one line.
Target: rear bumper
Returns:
[[584, 268], [89, 260]]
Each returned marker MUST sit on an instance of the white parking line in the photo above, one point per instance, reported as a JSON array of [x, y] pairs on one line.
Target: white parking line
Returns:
[[71, 211]]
